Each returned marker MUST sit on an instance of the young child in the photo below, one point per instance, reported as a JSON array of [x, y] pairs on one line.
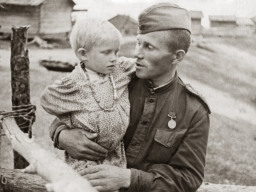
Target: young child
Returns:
[[94, 96]]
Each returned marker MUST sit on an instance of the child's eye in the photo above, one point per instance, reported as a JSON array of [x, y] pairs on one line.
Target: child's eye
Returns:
[[106, 52]]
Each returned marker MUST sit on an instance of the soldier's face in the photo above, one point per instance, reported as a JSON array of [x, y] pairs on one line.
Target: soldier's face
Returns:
[[154, 60]]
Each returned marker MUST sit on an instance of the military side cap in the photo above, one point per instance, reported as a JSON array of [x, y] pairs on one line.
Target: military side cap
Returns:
[[164, 16]]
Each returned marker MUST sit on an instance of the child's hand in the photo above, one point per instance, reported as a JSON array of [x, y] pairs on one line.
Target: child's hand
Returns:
[[80, 145]]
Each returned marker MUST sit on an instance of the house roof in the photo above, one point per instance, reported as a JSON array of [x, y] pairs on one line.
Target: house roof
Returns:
[[23, 2], [254, 19], [81, 7], [222, 18], [244, 21], [125, 18], [196, 14]]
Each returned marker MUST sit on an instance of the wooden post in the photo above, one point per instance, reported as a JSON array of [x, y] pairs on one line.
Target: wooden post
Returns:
[[20, 81]]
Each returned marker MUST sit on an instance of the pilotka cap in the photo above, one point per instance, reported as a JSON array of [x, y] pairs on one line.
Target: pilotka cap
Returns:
[[164, 16]]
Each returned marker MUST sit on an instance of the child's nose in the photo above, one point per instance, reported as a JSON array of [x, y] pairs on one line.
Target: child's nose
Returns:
[[113, 58], [113, 61]]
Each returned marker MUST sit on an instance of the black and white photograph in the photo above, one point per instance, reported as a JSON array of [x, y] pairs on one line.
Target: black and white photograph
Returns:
[[127, 95]]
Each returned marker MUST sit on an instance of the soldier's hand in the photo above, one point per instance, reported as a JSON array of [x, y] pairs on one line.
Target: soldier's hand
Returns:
[[79, 144], [107, 177]]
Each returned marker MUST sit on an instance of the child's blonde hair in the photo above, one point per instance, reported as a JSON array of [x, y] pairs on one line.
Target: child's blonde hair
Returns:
[[89, 32]]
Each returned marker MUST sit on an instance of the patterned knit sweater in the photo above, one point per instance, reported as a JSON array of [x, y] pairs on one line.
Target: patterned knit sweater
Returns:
[[71, 99]]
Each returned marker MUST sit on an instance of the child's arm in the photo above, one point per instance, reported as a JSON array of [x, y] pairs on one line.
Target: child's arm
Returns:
[[60, 98]]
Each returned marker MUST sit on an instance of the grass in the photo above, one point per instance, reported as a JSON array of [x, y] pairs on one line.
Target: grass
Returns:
[[224, 65], [231, 155], [228, 68]]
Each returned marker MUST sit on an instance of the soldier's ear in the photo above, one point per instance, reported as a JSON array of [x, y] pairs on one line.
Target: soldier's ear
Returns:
[[178, 56], [82, 54]]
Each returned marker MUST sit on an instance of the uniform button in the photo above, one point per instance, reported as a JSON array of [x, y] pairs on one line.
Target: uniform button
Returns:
[[135, 144], [151, 100]]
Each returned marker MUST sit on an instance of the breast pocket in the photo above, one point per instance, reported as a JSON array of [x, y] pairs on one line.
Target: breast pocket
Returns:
[[164, 145]]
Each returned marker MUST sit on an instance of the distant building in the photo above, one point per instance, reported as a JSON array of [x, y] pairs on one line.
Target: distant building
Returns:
[[230, 26], [78, 12], [125, 24], [222, 21], [245, 26], [254, 21], [196, 19], [47, 18]]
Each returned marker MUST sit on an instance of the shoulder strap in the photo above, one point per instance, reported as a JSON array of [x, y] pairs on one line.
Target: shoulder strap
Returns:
[[195, 93]]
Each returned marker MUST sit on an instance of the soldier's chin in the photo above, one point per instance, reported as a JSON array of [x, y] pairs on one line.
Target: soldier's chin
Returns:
[[141, 75]]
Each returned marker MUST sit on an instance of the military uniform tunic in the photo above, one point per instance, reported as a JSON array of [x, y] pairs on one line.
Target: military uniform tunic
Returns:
[[164, 158]]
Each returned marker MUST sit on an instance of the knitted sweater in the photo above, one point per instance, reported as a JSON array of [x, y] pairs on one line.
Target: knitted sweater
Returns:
[[73, 100]]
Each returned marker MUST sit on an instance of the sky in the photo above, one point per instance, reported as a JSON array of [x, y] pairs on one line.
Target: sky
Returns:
[[109, 8]]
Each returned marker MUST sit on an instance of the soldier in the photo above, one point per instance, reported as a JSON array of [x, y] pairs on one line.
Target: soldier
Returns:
[[166, 140]]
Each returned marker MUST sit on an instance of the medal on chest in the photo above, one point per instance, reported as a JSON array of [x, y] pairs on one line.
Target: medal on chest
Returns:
[[172, 122]]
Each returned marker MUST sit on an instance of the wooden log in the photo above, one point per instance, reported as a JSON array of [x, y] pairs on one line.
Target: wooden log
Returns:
[[15, 180], [45, 163], [210, 187], [22, 182], [20, 81]]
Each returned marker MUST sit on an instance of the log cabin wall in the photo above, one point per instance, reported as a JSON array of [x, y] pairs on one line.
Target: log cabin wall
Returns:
[[55, 17], [196, 26], [20, 15]]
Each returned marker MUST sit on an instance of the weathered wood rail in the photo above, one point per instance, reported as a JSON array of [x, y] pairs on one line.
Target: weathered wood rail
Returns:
[[14, 180], [210, 187], [42, 162], [18, 181]]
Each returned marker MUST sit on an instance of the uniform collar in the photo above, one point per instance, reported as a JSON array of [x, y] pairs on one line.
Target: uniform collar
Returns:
[[162, 88]]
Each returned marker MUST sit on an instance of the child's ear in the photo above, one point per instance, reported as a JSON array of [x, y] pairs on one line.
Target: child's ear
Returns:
[[82, 54]]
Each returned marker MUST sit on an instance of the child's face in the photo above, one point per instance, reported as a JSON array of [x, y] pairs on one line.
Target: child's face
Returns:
[[102, 58]]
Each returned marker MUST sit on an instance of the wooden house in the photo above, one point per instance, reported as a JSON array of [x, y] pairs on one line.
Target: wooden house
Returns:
[[47, 18], [245, 26], [222, 25], [78, 12], [231, 26], [196, 19], [125, 24], [222, 21], [254, 21]]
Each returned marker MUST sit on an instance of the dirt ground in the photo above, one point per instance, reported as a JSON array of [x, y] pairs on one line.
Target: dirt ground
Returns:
[[221, 70]]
